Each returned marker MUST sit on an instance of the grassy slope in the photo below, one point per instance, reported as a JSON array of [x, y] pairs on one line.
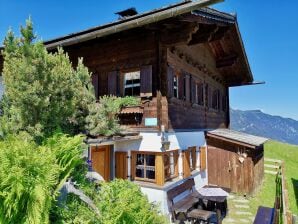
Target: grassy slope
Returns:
[[289, 154]]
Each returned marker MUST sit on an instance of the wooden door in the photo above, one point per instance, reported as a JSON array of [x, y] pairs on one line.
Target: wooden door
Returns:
[[121, 165], [100, 157], [219, 167]]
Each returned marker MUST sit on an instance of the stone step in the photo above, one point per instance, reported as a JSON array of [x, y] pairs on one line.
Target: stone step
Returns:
[[241, 206], [270, 172], [243, 213], [231, 196], [244, 221], [241, 201], [273, 160], [271, 166], [229, 220]]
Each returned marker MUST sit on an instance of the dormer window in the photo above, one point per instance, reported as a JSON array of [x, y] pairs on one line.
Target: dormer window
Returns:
[[132, 83]]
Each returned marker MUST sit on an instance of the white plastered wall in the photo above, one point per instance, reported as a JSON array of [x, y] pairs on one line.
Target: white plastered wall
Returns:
[[152, 142]]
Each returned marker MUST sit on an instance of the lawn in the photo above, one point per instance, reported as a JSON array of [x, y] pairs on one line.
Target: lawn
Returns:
[[289, 154], [243, 209]]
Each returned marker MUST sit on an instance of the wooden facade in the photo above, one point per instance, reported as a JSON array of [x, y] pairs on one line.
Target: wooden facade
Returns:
[[201, 49], [235, 166]]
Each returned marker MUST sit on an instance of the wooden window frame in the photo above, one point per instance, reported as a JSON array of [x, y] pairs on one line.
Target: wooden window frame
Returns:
[[174, 164], [123, 84], [145, 165], [224, 103], [200, 100], [176, 86], [216, 99], [160, 177]]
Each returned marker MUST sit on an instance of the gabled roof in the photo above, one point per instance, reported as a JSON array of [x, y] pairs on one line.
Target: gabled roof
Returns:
[[130, 22], [231, 59], [240, 137]]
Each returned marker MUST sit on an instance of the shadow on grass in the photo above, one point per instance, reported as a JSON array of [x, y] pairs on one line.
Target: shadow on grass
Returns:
[[295, 186]]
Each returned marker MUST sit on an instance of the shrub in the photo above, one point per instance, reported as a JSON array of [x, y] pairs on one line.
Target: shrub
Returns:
[[118, 201], [31, 175], [102, 119], [43, 92]]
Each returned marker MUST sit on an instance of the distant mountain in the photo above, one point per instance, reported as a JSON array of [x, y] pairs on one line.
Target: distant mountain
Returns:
[[258, 123]]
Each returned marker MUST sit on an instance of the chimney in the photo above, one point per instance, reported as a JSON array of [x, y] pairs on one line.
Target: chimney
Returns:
[[127, 13]]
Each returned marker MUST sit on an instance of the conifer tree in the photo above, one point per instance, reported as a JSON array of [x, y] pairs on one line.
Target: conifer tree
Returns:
[[43, 92]]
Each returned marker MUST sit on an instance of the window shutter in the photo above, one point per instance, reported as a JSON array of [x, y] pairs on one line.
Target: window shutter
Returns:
[[95, 83], [193, 157], [133, 165], [146, 81], [176, 157], [112, 83], [187, 87], [186, 164], [193, 90], [181, 81], [121, 165], [170, 80], [203, 158], [209, 97]]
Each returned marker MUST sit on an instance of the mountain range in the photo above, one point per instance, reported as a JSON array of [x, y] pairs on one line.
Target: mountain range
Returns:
[[258, 123]]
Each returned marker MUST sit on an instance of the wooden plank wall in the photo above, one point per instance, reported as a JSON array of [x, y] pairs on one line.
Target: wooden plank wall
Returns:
[[198, 117], [141, 47], [225, 169], [117, 53]]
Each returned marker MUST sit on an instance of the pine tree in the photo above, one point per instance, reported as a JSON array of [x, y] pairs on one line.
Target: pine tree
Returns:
[[43, 92]]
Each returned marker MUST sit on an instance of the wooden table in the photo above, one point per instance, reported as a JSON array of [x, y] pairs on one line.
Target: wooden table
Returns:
[[199, 214]]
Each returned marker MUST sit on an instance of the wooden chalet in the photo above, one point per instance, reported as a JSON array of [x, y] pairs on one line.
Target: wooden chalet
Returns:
[[180, 61]]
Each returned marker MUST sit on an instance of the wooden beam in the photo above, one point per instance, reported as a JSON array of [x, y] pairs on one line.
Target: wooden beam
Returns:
[[228, 60], [179, 35], [203, 34]]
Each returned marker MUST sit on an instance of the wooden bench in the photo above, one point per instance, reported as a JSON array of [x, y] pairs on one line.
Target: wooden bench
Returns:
[[180, 208], [264, 215]]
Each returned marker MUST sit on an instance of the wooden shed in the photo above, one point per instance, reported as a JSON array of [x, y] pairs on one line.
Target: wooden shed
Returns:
[[235, 160]]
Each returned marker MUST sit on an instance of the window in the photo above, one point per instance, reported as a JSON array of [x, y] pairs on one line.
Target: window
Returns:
[[224, 103], [215, 99], [145, 167], [200, 94], [170, 164], [132, 83], [175, 85]]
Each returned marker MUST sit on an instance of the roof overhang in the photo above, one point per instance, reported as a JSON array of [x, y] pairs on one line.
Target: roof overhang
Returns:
[[130, 23], [112, 140], [235, 137]]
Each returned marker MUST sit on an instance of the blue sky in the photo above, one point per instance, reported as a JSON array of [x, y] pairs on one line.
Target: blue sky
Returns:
[[269, 30]]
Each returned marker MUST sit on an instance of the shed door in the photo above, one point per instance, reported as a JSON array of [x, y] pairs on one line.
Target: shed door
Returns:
[[219, 167], [225, 170], [121, 165], [100, 157]]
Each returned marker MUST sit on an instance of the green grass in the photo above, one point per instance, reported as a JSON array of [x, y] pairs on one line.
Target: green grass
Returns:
[[265, 196], [289, 154]]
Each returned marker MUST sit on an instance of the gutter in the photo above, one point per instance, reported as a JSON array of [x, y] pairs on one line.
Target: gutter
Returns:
[[143, 20]]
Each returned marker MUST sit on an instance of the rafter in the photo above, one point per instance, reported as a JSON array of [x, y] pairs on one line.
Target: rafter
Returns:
[[228, 60]]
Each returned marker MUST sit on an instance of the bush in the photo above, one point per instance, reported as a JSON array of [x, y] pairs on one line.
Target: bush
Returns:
[[118, 201], [43, 92], [122, 201], [102, 119], [31, 175]]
